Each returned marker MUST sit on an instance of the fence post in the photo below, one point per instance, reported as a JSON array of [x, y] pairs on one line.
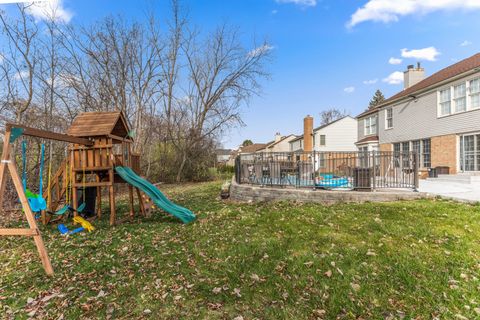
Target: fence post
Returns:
[[238, 171], [415, 171], [374, 171]]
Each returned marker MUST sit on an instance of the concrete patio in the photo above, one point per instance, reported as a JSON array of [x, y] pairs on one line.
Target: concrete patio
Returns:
[[455, 190]]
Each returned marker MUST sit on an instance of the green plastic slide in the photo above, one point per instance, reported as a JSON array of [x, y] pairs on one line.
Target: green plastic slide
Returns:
[[156, 195]]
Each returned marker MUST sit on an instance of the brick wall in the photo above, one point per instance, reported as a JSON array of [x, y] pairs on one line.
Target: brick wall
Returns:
[[385, 147], [444, 152], [385, 162]]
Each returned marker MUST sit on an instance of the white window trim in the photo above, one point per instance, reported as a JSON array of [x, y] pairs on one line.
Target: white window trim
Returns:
[[386, 118], [454, 98], [453, 107], [469, 95], [320, 140], [365, 132], [322, 160]]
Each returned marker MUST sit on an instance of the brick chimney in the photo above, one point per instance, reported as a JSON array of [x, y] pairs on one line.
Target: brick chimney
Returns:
[[413, 75], [278, 137], [308, 134]]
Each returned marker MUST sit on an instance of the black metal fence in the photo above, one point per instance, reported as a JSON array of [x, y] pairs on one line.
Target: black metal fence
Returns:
[[329, 170]]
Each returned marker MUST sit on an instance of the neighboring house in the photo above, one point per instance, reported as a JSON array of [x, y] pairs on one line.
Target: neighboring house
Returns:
[[248, 151], [438, 117], [256, 147], [280, 144], [231, 160], [296, 144], [223, 155], [337, 136]]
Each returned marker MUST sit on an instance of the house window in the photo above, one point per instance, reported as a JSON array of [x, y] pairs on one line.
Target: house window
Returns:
[[363, 156], [389, 118], [406, 154], [370, 125], [445, 102], [420, 147], [460, 97], [475, 93], [322, 140], [396, 147], [426, 151], [321, 160], [396, 154], [416, 147]]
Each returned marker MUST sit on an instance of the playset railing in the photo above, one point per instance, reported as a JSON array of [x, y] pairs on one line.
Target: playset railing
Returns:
[[329, 170]]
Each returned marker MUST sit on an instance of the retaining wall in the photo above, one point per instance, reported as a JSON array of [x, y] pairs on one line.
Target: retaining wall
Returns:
[[249, 193]]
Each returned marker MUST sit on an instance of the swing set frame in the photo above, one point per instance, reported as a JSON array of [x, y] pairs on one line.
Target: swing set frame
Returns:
[[8, 165]]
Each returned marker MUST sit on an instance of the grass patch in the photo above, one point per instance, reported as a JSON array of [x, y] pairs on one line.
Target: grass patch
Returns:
[[266, 261]]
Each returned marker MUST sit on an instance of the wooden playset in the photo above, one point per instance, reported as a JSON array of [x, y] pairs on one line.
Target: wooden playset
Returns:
[[99, 155]]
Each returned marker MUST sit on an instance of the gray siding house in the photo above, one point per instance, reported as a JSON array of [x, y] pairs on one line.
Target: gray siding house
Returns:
[[438, 117]]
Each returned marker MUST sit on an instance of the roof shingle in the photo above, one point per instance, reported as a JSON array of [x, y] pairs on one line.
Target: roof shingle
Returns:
[[454, 70]]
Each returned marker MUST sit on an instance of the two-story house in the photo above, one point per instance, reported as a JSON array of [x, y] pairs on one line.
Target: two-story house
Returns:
[[437, 116], [280, 143], [336, 136]]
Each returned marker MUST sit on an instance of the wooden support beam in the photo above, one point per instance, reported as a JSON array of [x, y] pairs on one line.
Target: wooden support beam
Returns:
[[99, 198], [87, 169], [114, 137], [7, 163], [19, 232], [91, 147], [32, 132], [140, 202], [81, 184], [132, 208]]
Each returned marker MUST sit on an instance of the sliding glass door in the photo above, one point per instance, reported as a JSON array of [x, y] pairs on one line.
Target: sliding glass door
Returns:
[[470, 152]]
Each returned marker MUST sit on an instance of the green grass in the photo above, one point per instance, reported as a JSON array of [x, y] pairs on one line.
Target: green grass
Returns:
[[259, 261]]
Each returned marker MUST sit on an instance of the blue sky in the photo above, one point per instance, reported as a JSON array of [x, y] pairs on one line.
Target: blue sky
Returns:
[[327, 53]]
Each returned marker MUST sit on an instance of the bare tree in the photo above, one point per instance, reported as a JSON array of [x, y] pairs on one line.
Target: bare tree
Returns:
[[180, 89], [223, 77], [332, 114], [19, 61]]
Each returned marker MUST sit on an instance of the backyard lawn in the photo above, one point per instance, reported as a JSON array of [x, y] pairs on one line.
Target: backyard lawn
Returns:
[[407, 260]]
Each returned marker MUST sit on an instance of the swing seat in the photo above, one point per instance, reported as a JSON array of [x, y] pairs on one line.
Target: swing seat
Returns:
[[62, 211], [81, 207], [37, 203]]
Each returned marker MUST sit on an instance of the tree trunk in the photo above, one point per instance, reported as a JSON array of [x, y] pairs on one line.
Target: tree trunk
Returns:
[[182, 165]]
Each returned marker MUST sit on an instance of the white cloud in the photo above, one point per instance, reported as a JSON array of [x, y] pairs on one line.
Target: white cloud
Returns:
[[303, 3], [429, 54], [21, 75], [393, 60], [465, 43], [369, 82], [391, 10], [349, 89], [394, 78], [260, 50], [51, 9]]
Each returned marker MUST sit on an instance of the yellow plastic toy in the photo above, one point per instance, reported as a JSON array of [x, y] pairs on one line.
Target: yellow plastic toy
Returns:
[[85, 224]]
